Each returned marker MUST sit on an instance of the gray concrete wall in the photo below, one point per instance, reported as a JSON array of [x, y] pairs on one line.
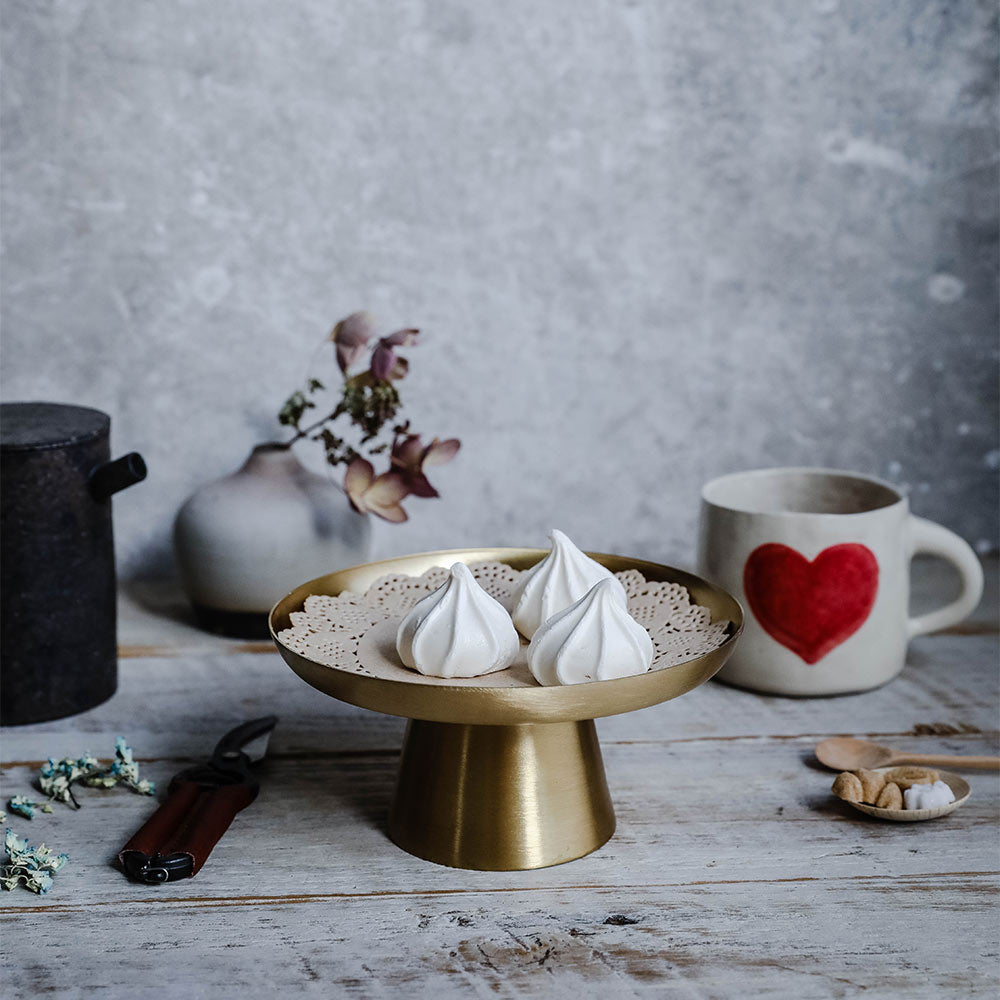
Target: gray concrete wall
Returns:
[[649, 242]]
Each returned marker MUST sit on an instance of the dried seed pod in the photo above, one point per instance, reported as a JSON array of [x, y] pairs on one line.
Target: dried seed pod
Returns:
[[906, 776], [847, 786], [890, 797], [872, 783]]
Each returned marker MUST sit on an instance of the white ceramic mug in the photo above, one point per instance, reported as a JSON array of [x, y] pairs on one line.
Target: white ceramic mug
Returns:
[[820, 561]]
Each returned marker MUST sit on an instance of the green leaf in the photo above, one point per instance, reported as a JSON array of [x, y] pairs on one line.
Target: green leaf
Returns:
[[295, 406]]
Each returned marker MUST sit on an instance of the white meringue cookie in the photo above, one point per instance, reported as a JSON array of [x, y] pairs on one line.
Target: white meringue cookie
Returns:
[[559, 580], [595, 639], [458, 631]]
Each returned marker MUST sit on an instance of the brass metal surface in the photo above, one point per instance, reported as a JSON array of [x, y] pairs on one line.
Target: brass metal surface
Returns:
[[503, 778], [499, 798]]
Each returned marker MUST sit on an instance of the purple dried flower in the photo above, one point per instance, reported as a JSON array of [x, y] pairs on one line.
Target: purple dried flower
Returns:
[[386, 364], [409, 457], [381, 495], [351, 336]]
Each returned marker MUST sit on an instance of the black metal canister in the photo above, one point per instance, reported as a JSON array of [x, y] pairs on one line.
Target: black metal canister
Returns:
[[58, 646]]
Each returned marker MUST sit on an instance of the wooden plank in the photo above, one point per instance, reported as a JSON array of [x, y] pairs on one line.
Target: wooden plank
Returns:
[[745, 877], [687, 812], [949, 681], [179, 706], [914, 937]]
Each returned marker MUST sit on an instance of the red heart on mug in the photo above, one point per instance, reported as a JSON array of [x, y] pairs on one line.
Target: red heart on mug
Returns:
[[811, 607]]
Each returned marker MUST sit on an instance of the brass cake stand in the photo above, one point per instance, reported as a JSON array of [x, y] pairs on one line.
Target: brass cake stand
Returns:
[[502, 779]]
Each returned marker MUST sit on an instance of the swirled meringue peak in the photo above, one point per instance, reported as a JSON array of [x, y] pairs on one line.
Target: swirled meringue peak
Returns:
[[595, 639], [560, 579], [457, 631]]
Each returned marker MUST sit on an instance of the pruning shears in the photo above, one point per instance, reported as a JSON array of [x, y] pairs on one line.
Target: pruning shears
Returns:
[[201, 803]]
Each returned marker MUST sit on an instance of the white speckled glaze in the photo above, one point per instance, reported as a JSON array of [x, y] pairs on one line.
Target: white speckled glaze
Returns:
[[812, 511], [245, 540]]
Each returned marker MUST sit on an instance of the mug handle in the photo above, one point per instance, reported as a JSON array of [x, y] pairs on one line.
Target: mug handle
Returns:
[[926, 536]]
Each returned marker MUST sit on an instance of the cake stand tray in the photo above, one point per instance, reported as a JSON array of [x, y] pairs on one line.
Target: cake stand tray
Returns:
[[502, 778]]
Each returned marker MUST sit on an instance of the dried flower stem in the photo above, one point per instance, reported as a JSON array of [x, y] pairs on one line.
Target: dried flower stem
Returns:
[[371, 401]]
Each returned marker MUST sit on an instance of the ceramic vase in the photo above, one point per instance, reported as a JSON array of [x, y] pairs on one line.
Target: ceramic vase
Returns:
[[244, 541]]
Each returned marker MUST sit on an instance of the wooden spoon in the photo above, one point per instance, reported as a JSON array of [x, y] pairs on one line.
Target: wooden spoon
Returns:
[[844, 753]]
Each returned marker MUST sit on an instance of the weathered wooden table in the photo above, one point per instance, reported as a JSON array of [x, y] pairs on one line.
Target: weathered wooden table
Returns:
[[733, 872]]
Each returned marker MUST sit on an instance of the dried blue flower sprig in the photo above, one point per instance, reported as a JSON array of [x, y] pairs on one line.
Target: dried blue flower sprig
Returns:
[[58, 776], [32, 867], [25, 807], [123, 771]]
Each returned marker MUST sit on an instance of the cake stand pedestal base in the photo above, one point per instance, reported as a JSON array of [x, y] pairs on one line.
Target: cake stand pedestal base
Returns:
[[501, 798]]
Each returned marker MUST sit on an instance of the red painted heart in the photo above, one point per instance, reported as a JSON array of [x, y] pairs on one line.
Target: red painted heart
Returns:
[[811, 607]]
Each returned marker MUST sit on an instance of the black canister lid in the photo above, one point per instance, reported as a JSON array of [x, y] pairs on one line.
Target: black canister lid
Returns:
[[30, 426]]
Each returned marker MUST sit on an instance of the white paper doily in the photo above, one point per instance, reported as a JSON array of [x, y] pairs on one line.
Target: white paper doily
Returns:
[[357, 632]]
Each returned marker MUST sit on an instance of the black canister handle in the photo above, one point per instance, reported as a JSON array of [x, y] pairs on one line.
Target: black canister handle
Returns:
[[111, 477]]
